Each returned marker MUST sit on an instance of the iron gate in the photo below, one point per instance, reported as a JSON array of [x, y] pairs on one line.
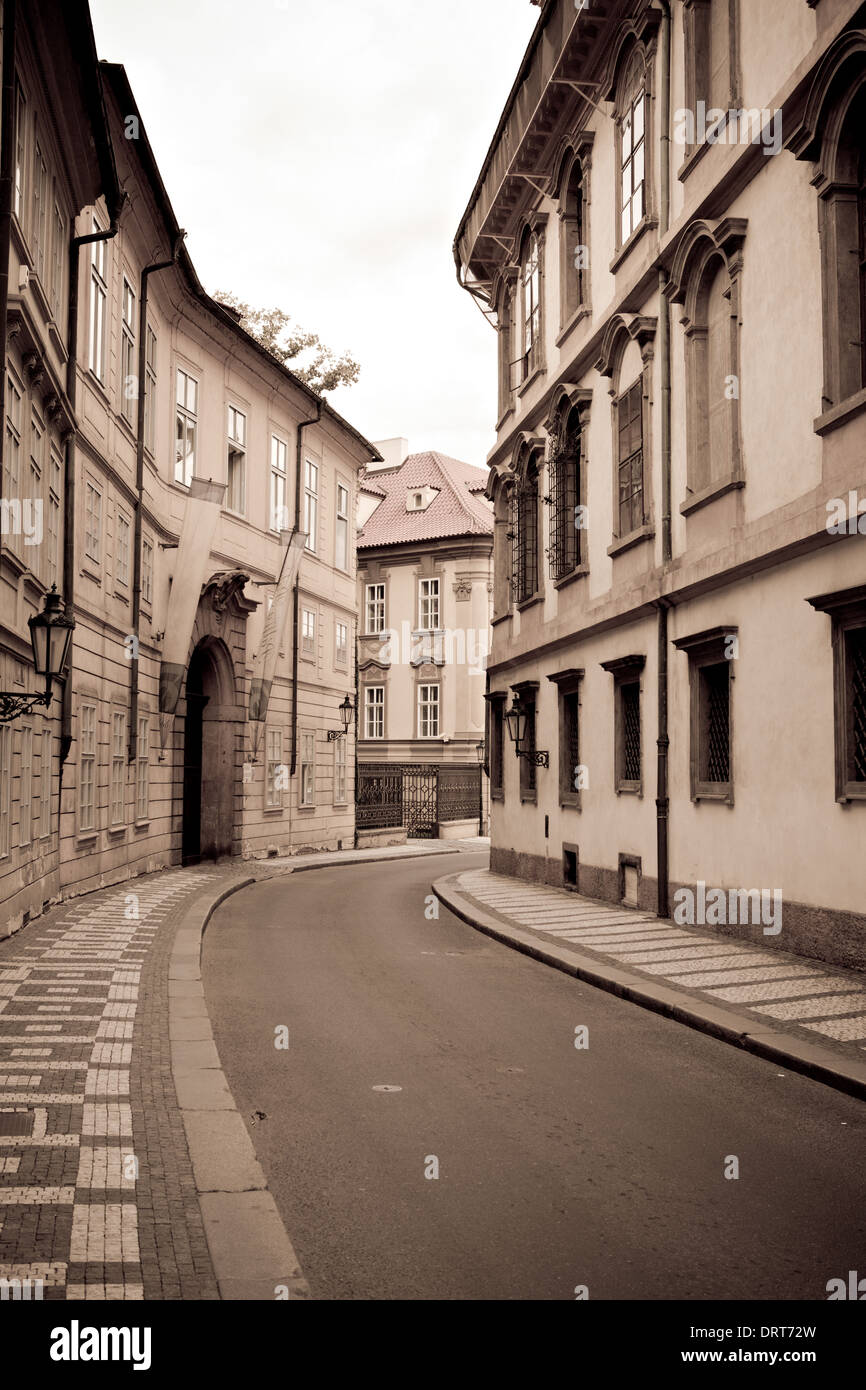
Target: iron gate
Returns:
[[420, 801], [417, 796]]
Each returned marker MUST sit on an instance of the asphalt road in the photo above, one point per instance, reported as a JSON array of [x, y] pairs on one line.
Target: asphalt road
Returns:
[[558, 1167]]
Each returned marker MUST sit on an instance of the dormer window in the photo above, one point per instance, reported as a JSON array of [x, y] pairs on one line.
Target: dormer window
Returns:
[[419, 499]]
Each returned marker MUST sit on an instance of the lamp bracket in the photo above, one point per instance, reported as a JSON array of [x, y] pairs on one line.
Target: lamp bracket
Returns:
[[538, 759], [12, 706]]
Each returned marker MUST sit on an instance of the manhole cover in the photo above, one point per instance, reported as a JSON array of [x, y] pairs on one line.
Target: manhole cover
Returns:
[[16, 1122], [387, 1088]]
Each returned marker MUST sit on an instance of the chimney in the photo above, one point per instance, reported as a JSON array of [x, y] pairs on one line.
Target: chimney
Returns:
[[394, 453]]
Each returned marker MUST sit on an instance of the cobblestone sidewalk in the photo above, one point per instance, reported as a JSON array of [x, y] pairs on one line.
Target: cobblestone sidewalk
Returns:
[[97, 1198]]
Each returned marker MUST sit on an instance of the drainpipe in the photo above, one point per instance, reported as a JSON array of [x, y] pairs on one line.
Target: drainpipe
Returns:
[[69, 464], [357, 717], [7, 182], [296, 597], [146, 273], [663, 740]]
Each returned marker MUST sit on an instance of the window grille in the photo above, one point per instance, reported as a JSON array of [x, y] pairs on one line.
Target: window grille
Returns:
[[716, 694], [524, 535], [856, 664], [630, 458], [564, 469], [631, 750]]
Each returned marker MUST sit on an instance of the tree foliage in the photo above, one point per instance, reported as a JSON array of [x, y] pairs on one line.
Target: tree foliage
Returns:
[[303, 353]]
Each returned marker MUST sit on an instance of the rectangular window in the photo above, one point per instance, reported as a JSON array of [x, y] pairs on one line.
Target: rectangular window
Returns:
[[25, 792], [308, 769], [711, 670], [374, 711], [847, 610], [311, 505], [341, 554], [308, 630], [118, 768], [41, 185], [633, 166], [629, 413], [45, 785], [187, 423], [142, 769], [341, 637], [569, 747], [340, 772], [122, 567], [428, 711], [98, 305], [497, 746], [93, 523], [274, 777], [37, 456], [128, 365], [527, 765], [236, 496], [5, 786], [150, 392], [87, 768], [55, 475], [146, 570], [376, 608], [12, 463], [279, 507], [20, 152], [59, 250], [428, 605], [629, 740]]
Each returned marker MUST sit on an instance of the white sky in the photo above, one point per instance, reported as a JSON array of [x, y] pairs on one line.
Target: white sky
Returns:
[[320, 154]]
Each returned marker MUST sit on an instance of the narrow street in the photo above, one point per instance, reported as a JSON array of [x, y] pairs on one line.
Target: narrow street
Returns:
[[558, 1166]]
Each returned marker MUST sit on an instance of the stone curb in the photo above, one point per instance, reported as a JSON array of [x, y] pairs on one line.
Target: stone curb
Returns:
[[374, 859], [250, 1250], [774, 1045]]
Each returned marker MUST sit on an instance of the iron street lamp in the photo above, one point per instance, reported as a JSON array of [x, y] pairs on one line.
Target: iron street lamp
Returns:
[[347, 709], [516, 719], [50, 635]]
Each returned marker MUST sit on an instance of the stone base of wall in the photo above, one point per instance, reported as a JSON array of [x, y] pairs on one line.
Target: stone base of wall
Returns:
[[458, 829], [826, 934], [374, 839]]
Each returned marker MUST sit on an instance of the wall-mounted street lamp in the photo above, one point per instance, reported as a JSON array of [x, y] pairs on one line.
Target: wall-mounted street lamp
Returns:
[[516, 719], [50, 635], [479, 752], [347, 709]]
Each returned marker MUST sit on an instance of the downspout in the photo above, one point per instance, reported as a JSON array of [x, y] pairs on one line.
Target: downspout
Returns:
[[146, 273], [357, 716], [69, 464], [663, 740], [296, 598], [7, 181]]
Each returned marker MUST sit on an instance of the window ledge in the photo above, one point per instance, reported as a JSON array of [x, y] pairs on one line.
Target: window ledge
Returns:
[[581, 312], [500, 618], [497, 795], [509, 410], [142, 825], [533, 376], [625, 251], [529, 602], [308, 809], [643, 533], [852, 793], [91, 574], [694, 155], [273, 810], [840, 414], [569, 803], [579, 573], [710, 494], [529, 798], [725, 798]]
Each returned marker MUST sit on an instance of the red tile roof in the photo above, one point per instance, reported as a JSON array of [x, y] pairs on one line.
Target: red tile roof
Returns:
[[459, 510]]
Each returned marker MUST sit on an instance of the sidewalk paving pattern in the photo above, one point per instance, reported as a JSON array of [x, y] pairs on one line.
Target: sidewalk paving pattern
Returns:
[[775, 985], [97, 1198]]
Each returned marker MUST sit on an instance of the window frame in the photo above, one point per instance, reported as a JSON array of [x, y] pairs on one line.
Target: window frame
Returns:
[[142, 770], [341, 773], [25, 786], [372, 631], [236, 460], [376, 707], [98, 306], [128, 356], [704, 650], [627, 672], [45, 782], [117, 771], [425, 703], [527, 693], [273, 793], [338, 659], [151, 372], [311, 506], [569, 687], [342, 527], [122, 558], [307, 791], [93, 523], [308, 631], [847, 611], [278, 484], [5, 790], [496, 702], [429, 599], [88, 753], [188, 417]]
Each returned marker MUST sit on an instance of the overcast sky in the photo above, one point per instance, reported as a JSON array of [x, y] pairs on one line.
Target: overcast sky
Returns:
[[320, 156]]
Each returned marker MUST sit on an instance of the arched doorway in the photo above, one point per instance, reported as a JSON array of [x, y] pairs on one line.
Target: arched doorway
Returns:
[[209, 764]]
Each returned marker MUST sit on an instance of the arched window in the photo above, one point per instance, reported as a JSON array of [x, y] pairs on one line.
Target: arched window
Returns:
[[530, 305], [861, 220], [710, 456], [524, 529], [632, 148], [711, 41], [574, 244], [565, 498]]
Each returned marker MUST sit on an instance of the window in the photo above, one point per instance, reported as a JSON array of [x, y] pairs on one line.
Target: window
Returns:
[[374, 711], [279, 509], [376, 608], [709, 28], [527, 694], [142, 770], [496, 708], [45, 785], [308, 630], [570, 770], [122, 568], [574, 237], [25, 792], [237, 461], [629, 427], [87, 768], [632, 159], [37, 454], [93, 523], [12, 487], [128, 364], [274, 770], [340, 772], [5, 787], [118, 767], [341, 637], [308, 769], [20, 151], [628, 753], [187, 422], [711, 670], [524, 529], [341, 552], [565, 498], [428, 711], [150, 392], [311, 505], [848, 612], [146, 570], [530, 301], [98, 304], [41, 191], [428, 605], [59, 251], [53, 522]]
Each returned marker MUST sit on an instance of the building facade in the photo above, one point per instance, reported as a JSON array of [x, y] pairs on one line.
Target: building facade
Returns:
[[209, 554], [668, 236], [425, 569]]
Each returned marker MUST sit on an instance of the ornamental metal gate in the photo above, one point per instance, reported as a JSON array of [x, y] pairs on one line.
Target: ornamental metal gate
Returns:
[[418, 796], [421, 801]]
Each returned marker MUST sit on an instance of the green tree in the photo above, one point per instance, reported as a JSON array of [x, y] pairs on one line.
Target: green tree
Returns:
[[303, 353]]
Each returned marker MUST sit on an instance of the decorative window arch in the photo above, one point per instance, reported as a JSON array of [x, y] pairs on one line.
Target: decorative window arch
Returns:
[[573, 184], [631, 401], [499, 492], [525, 533], [568, 428], [832, 134], [529, 324], [705, 279], [503, 299], [631, 92]]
